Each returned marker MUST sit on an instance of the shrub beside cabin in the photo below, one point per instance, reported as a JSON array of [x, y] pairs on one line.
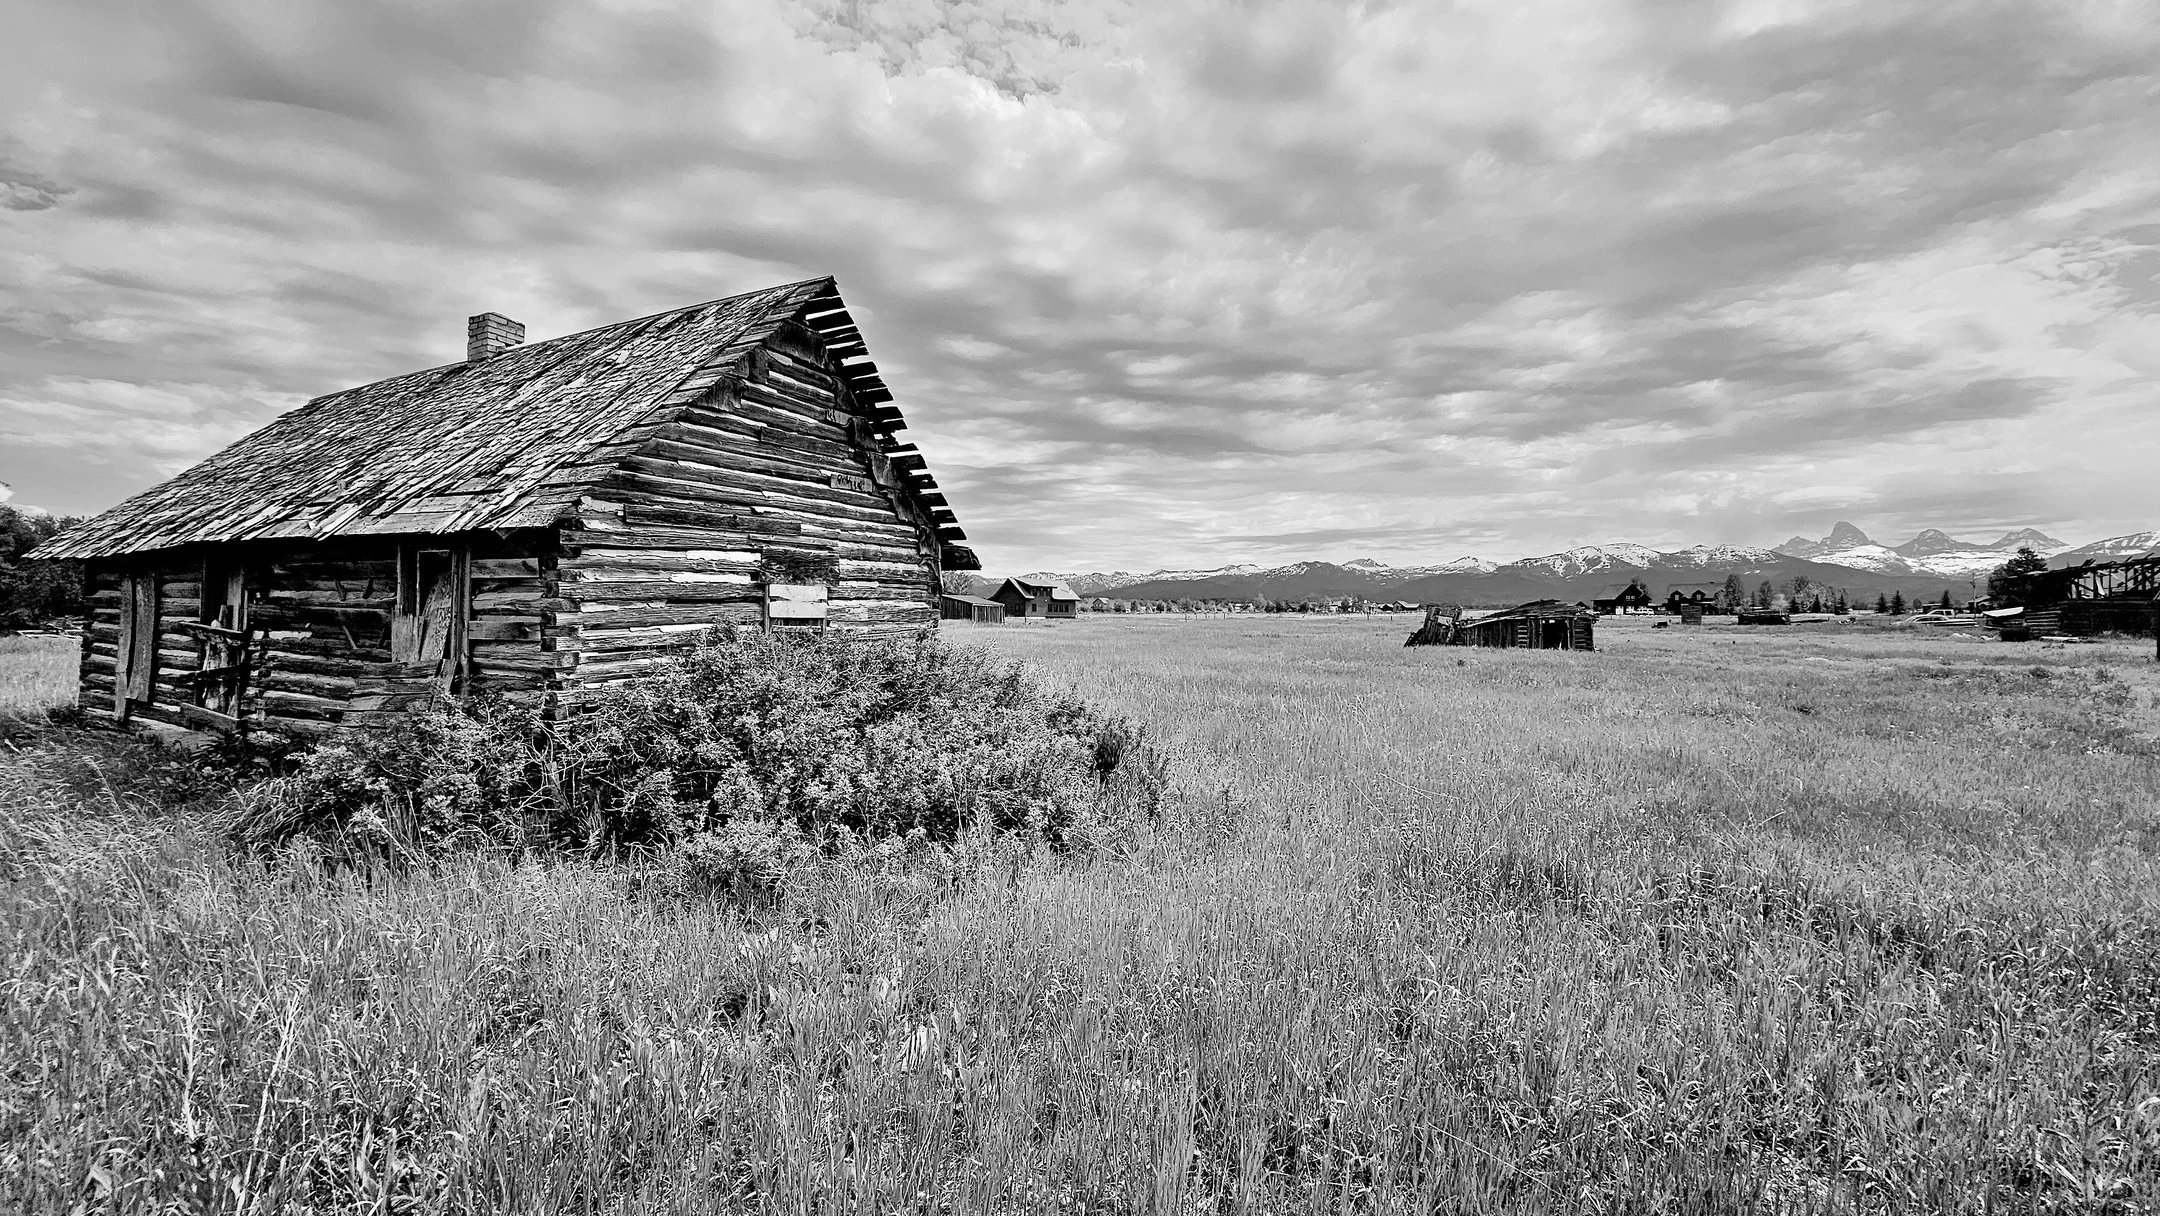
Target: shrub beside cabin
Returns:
[[538, 519]]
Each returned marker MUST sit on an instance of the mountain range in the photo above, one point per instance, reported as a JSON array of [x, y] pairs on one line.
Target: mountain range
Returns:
[[1846, 559]]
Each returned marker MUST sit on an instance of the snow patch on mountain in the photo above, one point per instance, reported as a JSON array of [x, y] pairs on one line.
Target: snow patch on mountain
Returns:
[[1719, 555], [1589, 559], [2113, 549]]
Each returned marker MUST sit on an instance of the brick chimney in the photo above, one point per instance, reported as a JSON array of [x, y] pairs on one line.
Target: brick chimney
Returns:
[[491, 333]]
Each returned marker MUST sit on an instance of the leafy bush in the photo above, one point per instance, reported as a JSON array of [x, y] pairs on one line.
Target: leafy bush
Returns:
[[748, 753]]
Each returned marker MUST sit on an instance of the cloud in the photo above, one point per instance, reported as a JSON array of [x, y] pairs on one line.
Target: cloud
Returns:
[[1170, 284]]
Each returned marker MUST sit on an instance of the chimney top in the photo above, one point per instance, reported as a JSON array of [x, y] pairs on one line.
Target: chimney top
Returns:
[[491, 333]]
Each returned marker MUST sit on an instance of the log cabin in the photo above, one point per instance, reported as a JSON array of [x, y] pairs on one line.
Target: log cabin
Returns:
[[538, 519]]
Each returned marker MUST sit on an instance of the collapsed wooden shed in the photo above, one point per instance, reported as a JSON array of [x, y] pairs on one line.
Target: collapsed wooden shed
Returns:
[[1539, 625], [537, 519], [2097, 597]]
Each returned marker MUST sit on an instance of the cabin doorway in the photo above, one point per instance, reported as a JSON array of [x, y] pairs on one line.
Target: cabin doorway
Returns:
[[222, 637], [434, 600]]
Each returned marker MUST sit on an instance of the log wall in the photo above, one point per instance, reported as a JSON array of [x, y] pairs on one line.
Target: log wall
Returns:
[[773, 475], [321, 614]]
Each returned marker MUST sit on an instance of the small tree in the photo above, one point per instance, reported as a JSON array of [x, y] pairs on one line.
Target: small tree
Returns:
[[1897, 603], [1733, 594], [1945, 599], [1764, 594], [34, 591], [1882, 604], [2011, 582]]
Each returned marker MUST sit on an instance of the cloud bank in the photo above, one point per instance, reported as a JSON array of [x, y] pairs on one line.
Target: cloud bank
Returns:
[[1159, 284]]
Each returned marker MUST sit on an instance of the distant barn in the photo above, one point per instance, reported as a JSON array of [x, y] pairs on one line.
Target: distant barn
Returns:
[[1022, 598], [971, 608], [1616, 598], [537, 519]]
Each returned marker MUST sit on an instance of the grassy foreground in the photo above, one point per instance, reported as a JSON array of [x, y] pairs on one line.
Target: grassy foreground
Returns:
[[1820, 918]]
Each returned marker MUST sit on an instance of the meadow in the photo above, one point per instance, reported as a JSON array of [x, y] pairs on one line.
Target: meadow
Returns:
[[1828, 918]]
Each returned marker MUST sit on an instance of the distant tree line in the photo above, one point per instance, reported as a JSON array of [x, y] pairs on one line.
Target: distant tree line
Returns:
[[32, 592]]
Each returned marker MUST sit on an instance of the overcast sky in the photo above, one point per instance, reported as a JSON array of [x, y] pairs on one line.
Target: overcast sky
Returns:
[[1158, 284]]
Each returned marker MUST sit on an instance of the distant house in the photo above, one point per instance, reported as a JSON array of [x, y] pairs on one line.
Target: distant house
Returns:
[[970, 608], [1021, 598], [536, 519], [1701, 595], [1634, 597]]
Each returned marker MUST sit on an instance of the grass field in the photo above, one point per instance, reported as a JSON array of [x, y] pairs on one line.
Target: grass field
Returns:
[[36, 672], [1831, 917]]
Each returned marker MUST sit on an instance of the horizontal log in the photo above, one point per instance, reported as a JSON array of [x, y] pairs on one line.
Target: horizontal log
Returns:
[[661, 590], [503, 629], [306, 727], [381, 569], [604, 565], [281, 703], [349, 666], [577, 544], [722, 452], [286, 680], [732, 428], [630, 642], [271, 613], [162, 712], [208, 719], [359, 588], [506, 567], [281, 648], [308, 600], [650, 514], [922, 593], [521, 602], [769, 404], [503, 680], [600, 624]]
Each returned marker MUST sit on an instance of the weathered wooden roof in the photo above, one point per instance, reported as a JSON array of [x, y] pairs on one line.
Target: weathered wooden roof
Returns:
[[1056, 591], [508, 441], [972, 600], [1534, 610]]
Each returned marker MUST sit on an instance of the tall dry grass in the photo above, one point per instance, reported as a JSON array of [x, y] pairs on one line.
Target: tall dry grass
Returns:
[[36, 672], [1705, 920]]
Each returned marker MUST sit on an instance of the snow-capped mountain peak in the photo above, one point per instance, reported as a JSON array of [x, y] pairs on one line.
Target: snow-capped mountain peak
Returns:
[[1932, 541], [1844, 536], [2027, 538], [1587, 559]]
